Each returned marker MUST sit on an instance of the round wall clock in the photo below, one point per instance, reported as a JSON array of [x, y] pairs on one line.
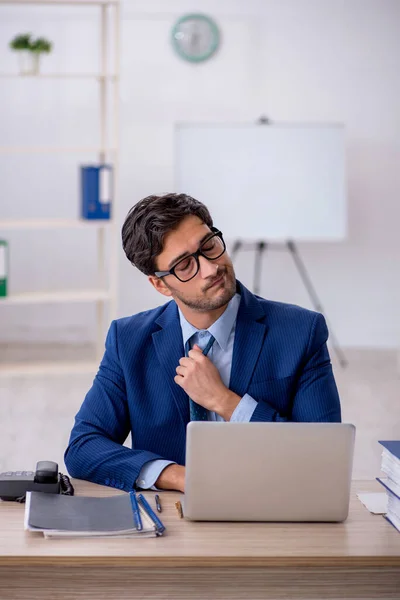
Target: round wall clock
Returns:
[[195, 37]]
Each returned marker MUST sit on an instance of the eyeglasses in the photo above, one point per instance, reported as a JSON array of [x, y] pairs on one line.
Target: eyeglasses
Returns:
[[188, 267]]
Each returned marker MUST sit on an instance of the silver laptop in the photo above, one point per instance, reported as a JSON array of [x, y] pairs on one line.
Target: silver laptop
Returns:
[[268, 471]]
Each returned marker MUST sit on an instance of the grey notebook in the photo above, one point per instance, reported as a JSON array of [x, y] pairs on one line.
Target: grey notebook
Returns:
[[58, 515]]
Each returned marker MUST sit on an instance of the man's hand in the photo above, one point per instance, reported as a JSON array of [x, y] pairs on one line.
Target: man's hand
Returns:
[[201, 380], [172, 478]]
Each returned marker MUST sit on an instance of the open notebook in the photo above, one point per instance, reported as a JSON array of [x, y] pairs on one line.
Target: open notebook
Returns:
[[57, 515]]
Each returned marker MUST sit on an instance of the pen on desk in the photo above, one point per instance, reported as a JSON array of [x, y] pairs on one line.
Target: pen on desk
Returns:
[[136, 511], [158, 503], [160, 528]]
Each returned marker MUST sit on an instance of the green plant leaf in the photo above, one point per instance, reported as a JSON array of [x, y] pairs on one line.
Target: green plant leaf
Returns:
[[26, 42], [21, 42], [40, 45]]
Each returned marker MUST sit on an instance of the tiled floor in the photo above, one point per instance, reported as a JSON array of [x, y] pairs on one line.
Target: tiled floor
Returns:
[[36, 413]]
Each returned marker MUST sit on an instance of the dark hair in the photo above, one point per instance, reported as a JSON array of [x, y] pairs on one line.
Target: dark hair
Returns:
[[150, 220]]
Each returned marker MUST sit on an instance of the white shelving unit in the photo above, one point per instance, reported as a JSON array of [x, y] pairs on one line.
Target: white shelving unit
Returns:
[[61, 75], [105, 294], [52, 224]]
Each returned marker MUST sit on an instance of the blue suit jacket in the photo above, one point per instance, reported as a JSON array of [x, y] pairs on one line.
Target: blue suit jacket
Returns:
[[280, 358]]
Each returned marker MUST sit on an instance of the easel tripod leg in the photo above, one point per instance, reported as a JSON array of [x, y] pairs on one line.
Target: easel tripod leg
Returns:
[[260, 249], [314, 298], [235, 249]]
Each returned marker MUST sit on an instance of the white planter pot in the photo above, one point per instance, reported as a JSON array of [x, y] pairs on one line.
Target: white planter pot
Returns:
[[28, 62]]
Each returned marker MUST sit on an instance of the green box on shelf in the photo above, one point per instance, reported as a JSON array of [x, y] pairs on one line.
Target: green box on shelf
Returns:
[[3, 267]]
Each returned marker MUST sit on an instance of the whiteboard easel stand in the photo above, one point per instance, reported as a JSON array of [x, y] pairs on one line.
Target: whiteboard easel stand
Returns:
[[291, 247]]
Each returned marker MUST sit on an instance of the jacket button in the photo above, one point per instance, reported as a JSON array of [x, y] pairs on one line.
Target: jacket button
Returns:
[[107, 481]]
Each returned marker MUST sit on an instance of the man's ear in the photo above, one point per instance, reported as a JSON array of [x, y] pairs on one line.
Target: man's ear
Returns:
[[159, 285]]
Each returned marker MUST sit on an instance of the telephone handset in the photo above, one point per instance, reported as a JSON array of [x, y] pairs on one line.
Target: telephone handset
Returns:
[[46, 472], [46, 478]]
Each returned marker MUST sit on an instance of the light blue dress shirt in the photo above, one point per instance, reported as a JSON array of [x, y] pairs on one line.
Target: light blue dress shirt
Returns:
[[220, 354]]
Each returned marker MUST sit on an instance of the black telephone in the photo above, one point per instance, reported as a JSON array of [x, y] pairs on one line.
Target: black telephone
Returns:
[[46, 478]]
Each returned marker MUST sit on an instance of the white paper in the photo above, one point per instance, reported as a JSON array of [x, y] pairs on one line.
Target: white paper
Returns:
[[393, 487], [375, 502]]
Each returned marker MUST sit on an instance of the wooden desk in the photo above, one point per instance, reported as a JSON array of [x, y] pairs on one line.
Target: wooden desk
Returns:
[[356, 559]]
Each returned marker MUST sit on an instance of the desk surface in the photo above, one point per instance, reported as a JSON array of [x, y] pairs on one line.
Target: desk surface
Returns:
[[364, 540]]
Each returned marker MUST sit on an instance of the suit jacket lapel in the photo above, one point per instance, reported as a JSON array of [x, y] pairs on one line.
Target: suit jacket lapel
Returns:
[[169, 348], [249, 338]]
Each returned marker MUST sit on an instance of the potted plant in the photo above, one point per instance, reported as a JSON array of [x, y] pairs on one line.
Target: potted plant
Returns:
[[29, 51]]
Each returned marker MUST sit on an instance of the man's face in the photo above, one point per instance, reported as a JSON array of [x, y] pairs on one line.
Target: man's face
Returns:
[[215, 283]]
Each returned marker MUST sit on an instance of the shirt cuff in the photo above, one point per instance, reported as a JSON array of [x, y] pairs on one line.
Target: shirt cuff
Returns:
[[244, 410], [150, 472]]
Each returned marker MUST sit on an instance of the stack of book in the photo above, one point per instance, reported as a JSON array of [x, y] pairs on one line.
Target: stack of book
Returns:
[[391, 467], [123, 515]]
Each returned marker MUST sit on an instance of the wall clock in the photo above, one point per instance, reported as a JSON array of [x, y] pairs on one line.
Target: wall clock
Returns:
[[195, 37]]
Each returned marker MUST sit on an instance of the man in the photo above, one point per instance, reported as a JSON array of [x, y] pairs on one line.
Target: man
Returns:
[[214, 352]]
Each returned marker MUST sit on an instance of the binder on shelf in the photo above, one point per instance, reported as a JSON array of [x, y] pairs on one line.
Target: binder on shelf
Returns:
[[3, 268], [96, 191]]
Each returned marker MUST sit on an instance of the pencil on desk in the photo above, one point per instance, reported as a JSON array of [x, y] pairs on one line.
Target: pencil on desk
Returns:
[[178, 507]]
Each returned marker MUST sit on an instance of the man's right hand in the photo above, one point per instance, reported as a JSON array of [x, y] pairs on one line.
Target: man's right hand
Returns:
[[172, 478]]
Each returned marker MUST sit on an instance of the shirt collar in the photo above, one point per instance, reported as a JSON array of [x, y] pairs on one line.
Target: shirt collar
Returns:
[[222, 327]]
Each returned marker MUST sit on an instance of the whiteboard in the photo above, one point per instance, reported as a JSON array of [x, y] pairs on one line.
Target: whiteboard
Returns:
[[266, 182]]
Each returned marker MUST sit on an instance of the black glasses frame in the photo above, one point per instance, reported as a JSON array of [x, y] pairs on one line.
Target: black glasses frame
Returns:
[[199, 252]]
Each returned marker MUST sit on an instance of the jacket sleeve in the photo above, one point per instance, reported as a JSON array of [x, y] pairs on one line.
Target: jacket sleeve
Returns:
[[316, 398], [95, 451]]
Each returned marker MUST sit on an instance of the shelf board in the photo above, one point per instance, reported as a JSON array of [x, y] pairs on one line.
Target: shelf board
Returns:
[[56, 297], [64, 2], [58, 76], [20, 369], [53, 223], [51, 149]]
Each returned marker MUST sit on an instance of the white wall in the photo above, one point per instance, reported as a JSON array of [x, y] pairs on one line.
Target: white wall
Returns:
[[308, 60]]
